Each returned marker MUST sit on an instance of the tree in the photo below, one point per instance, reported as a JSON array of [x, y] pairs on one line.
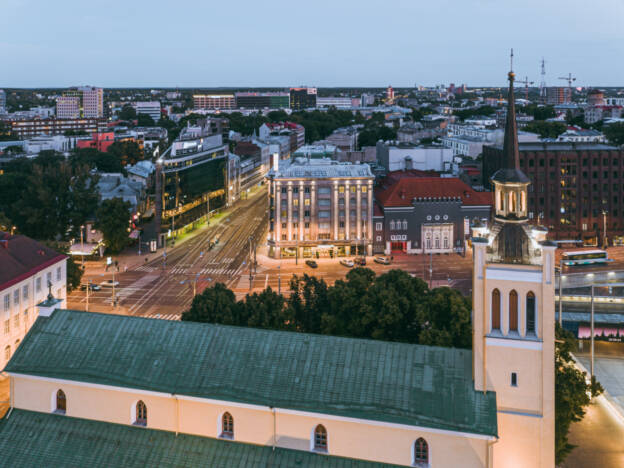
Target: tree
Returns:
[[126, 152], [102, 162], [546, 129], [144, 120], [265, 310], [112, 220], [216, 304], [5, 222], [74, 271], [572, 392], [127, 112], [447, 320], [615, 133]]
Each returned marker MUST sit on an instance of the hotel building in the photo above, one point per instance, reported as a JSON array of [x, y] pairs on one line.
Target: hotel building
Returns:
[[320, 207]]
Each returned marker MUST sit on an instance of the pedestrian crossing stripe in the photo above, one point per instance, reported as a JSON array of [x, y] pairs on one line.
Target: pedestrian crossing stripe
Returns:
[[218, 271], [164, 316], [148, 269]]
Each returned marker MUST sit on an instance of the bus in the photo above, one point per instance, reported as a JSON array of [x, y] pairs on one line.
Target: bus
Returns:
[[585, 257]]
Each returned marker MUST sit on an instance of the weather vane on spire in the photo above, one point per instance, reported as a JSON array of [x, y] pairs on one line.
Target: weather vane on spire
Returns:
[[511, 60]]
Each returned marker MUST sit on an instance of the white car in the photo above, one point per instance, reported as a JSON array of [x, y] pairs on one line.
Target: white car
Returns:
[[382, 260], [347, 263], [109, 284]]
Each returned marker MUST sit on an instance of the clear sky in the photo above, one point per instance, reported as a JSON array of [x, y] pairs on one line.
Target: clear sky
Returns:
[[57, 43]]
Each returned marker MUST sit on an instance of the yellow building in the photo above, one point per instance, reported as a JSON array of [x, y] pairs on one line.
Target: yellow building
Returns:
[[105, 390]]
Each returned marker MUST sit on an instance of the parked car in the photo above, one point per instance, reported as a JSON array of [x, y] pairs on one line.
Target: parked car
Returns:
[[382, 260], [109, 283], [91, 286], [311, 263], [360, 261], [347, 263]]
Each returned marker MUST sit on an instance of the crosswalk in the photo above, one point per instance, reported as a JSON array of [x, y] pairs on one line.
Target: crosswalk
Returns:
[[164, 316], [218, 271], [146, 268], [186, 271]]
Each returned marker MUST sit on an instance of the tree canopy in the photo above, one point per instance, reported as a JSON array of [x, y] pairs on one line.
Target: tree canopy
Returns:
[[546, 129], [392, 307], [112, 221], [615, 133], [127, 112]]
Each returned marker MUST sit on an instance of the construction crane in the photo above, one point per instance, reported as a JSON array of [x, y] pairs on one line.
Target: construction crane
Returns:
[[526, 84], [570, 79]]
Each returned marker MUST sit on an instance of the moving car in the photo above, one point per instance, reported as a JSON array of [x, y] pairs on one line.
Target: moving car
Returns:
[[360, 261], [109, 283], [382, 260], [91, 286], [347, 263], [311, 264]]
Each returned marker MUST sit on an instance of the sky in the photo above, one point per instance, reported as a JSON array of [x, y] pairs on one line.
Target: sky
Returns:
[[276, 43]]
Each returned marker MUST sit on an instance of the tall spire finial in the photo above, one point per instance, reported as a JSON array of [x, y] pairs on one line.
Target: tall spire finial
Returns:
[[511, 61]]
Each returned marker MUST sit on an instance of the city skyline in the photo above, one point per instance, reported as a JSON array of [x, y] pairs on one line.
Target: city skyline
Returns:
[[243, 44]]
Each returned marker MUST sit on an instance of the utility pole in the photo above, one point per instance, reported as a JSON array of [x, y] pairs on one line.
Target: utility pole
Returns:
[[279, 280], [114, 304], [82, 246], [430, 269], [605, 241], [561, 292], [250, 265], [88, 287], [591, 367]]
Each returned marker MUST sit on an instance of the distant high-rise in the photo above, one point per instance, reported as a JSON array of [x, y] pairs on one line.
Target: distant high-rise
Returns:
[[214, 101], [88, 100], [390, 94], [558, 95], [302, 98], [2, 101]]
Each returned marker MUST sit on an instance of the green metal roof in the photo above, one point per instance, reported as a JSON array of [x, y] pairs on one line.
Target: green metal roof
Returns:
[[29, 439], [375, 380]]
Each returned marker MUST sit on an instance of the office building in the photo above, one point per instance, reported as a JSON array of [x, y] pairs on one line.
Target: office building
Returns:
[[302, 98], [294, 131], [191, 178], [423, 214], [214, 101], [30, 128], [252, 100], [320, 207], [576, 188], [337, 102], [151, 108], [29, 272], [2, 101]]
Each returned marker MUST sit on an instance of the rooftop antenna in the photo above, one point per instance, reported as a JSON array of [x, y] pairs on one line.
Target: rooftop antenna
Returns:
[[511, 61]]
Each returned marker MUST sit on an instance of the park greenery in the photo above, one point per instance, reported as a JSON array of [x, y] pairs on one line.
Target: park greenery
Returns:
[[615, 133], [393, 306], [112, 222], [546, 129]]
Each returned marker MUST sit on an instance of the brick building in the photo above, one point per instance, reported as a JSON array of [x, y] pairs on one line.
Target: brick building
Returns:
[[574, 188]]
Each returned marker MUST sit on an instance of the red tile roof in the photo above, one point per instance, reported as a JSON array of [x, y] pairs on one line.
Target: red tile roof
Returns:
[[403, 191], [22, 257]]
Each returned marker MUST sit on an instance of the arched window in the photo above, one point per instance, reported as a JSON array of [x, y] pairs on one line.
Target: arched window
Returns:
[[320, 438], [446, 243], [392, 225], [501, 200], [513, 310], [7, 353], [227, 426], [421, 452], [61, 402], [141, 414], [496, 310], [530, 313], [523, 206], [512, 201], [404, 225]]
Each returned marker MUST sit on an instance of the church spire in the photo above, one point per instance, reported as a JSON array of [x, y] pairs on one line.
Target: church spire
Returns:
[[510, 161], [511, 156]]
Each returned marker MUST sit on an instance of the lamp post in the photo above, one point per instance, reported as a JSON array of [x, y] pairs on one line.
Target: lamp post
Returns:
[[560, 292], [430, 269], [82, 245], [604, 225], [591, 365]]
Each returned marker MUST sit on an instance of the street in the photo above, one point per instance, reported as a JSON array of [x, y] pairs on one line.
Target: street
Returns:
[[163, 288]]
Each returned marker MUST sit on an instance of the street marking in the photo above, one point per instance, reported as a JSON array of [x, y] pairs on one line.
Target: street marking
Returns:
[[164, 316]]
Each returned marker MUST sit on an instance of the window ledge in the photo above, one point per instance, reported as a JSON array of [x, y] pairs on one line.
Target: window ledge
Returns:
[[320, 450], [139, 424], [226, 436], [59, 411]]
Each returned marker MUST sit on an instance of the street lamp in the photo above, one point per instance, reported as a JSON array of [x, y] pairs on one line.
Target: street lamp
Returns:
[[81, 246], [560, 292], [604, 224]]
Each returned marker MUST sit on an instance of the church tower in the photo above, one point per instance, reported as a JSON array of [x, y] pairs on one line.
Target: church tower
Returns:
[[513, 316]]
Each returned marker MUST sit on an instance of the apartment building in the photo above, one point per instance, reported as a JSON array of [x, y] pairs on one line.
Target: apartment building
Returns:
[[214, 101]]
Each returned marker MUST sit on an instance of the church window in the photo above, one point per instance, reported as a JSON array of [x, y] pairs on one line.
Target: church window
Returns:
[[227, 426], [496, 310], [140, 414], [514, 379], [61, 402], [320, 438], [530, 313], [421, 452], [513, 311]]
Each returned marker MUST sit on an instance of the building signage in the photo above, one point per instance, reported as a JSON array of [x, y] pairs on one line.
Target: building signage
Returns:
[[402, 237]]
